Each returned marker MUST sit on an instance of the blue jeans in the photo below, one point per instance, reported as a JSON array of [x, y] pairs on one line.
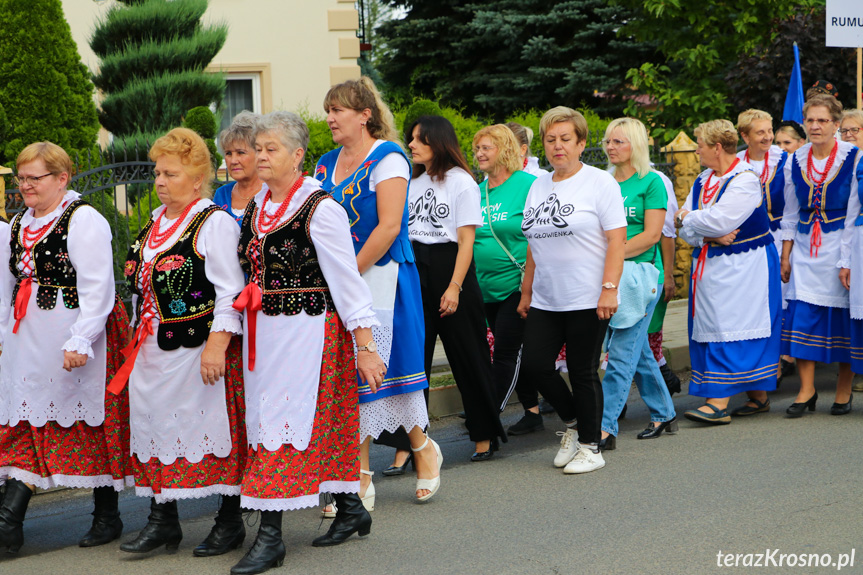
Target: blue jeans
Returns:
[[629, 355]]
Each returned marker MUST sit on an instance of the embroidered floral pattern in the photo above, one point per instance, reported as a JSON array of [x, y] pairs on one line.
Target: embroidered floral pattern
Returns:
[[169, 263], [130, 268]]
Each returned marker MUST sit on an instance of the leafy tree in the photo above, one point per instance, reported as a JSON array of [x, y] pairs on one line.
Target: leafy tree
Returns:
[[45, 90], [760, 80], [700, 45], [153, 54], [494, 57]]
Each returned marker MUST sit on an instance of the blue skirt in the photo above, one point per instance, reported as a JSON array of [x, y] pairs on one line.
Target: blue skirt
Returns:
[[857, 345], [406, 369], [817, 333], [723, 369]]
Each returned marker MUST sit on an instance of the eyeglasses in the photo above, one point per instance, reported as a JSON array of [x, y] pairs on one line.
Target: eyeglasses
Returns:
[[484, 149], [32, 180], [852, 131], [617, 143], [819, 121]]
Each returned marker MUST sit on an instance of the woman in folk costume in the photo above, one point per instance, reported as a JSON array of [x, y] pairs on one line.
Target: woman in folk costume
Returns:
[[768, 162], [303, 299], [733, 332], [851, 269], [819, 180], [184, 365], [58, 427], [369, 176]]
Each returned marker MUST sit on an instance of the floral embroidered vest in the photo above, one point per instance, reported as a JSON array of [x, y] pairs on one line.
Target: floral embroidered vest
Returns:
[[754, 232], [54, 271], [184, 297], [284, 263]]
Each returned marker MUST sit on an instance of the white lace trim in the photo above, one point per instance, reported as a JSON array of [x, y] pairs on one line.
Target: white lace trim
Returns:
[[371, 321], [822, 300], [716, 337], [846, 264], [73, 481], [192, 447], [78, 344], [407, 410], [37, 410], [226, 323], [29, 218], [301, 502], [857, 312], [187, 492]]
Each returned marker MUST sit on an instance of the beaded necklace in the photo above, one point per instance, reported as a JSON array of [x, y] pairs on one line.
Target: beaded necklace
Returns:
[[812, 171], [765, 170], [710, 192], [155, 238], [266, 222]]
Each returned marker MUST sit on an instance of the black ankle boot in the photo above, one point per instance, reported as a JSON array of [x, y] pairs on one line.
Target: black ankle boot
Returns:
[[12, 512], [228, 533], [106, 519], [672, 382], [351, 518], [163, 528], [267, 551]]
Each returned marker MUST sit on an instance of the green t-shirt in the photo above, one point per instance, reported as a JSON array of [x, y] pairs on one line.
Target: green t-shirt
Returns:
[[639, 194], [498, 276]]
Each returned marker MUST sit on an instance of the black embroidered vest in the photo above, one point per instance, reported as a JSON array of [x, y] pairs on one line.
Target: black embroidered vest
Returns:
[[53, 269], [184, 298], [284, 263]]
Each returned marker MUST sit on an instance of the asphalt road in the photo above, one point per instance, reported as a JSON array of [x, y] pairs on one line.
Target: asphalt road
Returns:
[[762, 485]]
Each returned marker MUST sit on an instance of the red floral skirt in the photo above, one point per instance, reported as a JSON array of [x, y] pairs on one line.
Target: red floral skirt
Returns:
[[290, 479], [212, 475], [79, 455]]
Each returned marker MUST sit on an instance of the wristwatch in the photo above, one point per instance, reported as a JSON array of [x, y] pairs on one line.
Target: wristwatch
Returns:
[[370, 347], [609, 285]]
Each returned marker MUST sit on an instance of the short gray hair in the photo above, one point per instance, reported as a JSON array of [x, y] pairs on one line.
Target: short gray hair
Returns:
[[291, 130], [240, 130]]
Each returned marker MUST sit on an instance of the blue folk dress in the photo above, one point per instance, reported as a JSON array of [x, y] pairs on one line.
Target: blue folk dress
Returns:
[[397, 301]]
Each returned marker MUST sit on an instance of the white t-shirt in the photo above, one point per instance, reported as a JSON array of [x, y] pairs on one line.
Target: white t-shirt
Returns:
[[565, 224], [439, 207]]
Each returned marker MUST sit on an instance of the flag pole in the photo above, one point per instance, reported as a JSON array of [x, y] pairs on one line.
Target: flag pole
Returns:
[[860, 78]]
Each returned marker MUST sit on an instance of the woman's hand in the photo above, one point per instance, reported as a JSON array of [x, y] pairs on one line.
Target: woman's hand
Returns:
[[130, 336], [669, 287], [785, 268], [845, 278], [72, 360], [523, 305], [607, 304], [372, 369], [678, 217], [449, 300], [725, 240], [213, 357]]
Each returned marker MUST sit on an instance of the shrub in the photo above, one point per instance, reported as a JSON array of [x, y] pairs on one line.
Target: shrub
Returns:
[[203, 121], [419, 109]]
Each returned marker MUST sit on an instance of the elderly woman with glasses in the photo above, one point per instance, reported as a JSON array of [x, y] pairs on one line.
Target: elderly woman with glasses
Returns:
[[851, 127], [629, 354], [820, 179], [736, 304], [304, 298], [575, 227], [58, 427], [236, 141]]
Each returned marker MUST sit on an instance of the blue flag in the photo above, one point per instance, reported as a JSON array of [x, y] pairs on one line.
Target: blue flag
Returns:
[[794, 98]]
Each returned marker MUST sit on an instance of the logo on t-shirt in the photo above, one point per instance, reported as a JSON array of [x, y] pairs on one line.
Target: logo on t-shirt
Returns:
[[549, 212], [427, 210]]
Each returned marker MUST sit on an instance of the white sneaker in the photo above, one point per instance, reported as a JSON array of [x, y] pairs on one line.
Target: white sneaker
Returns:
[[584, 461], [568, 447]]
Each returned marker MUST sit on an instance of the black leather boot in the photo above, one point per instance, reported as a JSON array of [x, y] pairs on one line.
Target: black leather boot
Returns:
[[228, 533], [163, 528], [267, 551], [106, 519], [672, 382], [351, 518], [12, 512]]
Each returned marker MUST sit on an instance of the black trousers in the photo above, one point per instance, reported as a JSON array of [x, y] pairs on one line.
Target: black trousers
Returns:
[[582, 332], [508, 329]]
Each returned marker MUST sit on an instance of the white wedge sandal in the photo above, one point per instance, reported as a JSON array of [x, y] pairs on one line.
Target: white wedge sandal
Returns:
[[432, 485]]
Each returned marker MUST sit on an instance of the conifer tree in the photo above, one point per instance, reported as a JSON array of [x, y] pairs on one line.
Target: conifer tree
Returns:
[[153, 55], [45, 90]]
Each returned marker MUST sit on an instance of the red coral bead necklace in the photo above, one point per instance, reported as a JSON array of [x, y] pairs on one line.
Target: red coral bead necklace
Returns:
[[266, 222], [156, 238]]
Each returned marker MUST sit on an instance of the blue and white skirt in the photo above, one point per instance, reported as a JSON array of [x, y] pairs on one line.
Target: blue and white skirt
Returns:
[[817, 333]]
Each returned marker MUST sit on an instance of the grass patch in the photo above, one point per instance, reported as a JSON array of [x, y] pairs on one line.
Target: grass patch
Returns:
[[441, 380]]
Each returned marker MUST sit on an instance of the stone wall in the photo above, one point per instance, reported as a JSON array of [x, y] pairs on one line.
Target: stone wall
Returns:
[[686, 169]]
